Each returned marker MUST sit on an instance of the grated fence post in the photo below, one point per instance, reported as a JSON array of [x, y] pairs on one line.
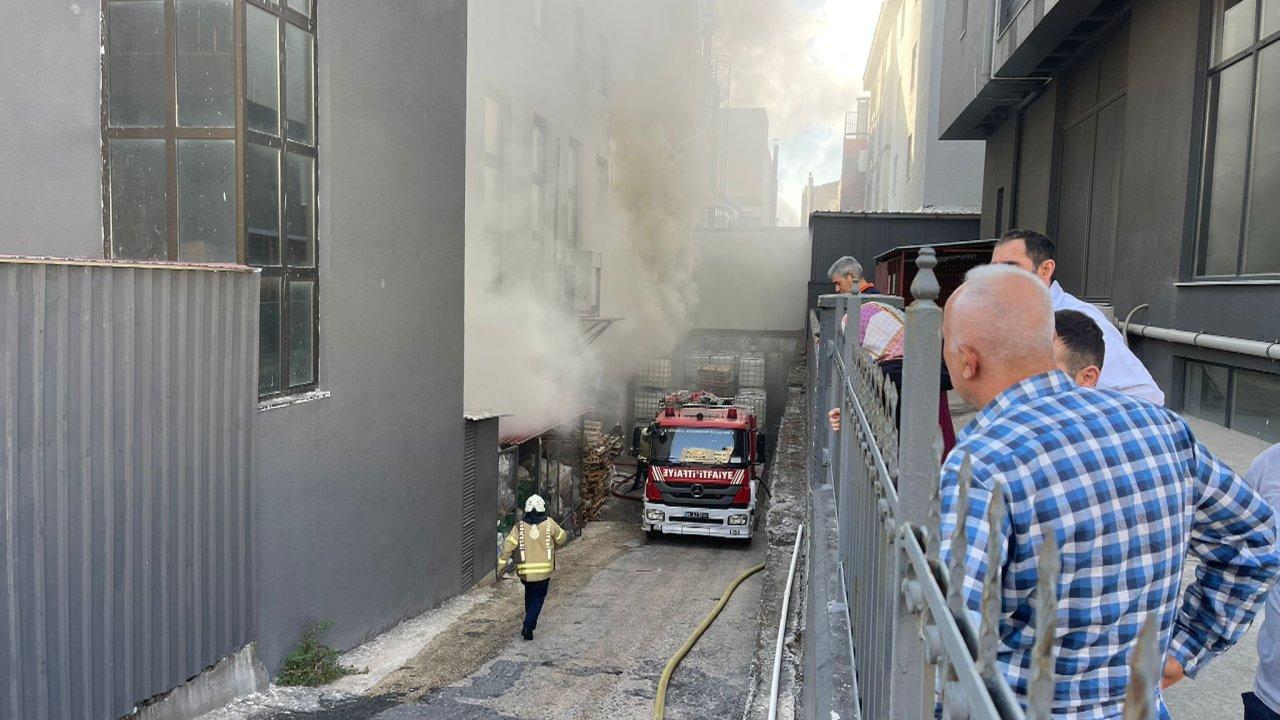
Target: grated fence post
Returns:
[[912, 686], [1043, 655]]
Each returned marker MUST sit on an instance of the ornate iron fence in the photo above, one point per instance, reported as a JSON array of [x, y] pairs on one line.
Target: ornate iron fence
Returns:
[[893, 637]]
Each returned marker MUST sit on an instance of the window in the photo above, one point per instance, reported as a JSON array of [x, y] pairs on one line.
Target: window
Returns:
[[1243, 400], [915, 51], [211, 154], [603, 183], [572, 183], [579, 39], [606, 69], [1241, 179], [540, 15], [538, 174]]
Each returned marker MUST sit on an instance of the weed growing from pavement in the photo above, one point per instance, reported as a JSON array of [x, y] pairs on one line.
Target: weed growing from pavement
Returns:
[[313, 663]]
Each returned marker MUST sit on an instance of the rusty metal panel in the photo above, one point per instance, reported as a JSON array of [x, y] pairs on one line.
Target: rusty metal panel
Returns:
[[127, 402]]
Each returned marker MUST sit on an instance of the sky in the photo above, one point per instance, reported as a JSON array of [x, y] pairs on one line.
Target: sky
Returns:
[[802, 60]]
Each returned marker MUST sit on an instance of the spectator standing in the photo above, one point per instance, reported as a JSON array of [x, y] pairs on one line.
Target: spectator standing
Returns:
[[1264, 702], [1119, 484], [1078, 347], [846, 274], [1123, 371]]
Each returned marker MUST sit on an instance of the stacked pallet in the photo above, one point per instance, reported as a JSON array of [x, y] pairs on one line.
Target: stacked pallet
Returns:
[[599, 451], [717, 379]]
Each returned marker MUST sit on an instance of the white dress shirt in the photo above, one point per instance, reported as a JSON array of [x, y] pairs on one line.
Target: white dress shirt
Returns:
[[1264, 477], [1122, 371]]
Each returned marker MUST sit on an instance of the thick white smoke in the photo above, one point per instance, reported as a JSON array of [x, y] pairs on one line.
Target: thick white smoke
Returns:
[[523, 351]]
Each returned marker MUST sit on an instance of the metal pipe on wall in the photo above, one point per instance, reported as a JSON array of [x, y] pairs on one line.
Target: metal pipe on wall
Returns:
[[1240, 346]]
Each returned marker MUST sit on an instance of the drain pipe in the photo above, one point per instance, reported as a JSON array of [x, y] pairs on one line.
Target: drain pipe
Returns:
[[782, 627], [1239, 346]]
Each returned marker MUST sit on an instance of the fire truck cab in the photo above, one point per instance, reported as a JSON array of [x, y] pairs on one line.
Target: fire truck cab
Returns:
[[699, 458]]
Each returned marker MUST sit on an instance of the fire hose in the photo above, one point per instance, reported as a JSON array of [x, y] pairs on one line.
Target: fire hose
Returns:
[[660, 702]]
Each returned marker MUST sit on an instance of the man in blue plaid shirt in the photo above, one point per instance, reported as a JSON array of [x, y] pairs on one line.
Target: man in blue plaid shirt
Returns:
[[1123, 486]]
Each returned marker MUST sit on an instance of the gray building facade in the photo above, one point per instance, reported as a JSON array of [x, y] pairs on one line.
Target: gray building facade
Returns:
[[1142, 136], [321, 142]]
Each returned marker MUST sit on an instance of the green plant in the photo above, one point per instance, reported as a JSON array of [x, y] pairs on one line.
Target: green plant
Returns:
[[313, 663]]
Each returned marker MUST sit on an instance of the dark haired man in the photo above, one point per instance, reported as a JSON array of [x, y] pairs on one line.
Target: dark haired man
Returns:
[[1123, 371], [1078, 347]]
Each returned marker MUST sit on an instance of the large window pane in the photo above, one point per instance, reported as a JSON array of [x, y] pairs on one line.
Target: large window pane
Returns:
[[1204, 392], [206, 63], [1270, 17], [1256, 410], [302, 6], [207, 200], [1235, 27], [262, 205], [1225, 179], [1262, 248], [135, 64], [299, 86], [299, 210], [262, 71], [269, 337], [139, 219], [301, 320]]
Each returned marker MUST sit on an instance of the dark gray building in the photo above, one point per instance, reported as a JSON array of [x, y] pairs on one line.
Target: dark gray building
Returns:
[[322, 143], [1144, 136]]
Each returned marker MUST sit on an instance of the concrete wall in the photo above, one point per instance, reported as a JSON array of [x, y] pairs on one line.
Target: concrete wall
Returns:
[[50, 129], [928, 174], [359, 494], [749, 279]]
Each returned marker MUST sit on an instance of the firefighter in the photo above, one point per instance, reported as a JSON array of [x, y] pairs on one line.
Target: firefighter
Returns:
[[534, 541]]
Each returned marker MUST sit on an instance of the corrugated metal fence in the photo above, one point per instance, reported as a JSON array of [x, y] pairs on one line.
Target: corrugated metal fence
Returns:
[[127, 400]]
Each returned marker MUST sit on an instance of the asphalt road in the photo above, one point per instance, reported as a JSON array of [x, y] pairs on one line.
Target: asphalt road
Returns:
[[600, 646]]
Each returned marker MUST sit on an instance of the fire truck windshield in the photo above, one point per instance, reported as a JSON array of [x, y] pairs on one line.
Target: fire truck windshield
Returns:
[[700, 446]]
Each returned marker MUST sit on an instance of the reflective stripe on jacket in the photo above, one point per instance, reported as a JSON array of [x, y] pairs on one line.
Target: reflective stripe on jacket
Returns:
[[537, 547]]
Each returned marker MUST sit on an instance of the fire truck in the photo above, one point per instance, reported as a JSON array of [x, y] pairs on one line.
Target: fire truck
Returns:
[[699, 459]]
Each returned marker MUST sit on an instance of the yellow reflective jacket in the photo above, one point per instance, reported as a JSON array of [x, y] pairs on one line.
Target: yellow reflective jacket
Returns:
[[537, 545]]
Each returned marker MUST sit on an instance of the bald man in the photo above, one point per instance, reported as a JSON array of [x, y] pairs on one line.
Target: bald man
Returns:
[[1121, 485]]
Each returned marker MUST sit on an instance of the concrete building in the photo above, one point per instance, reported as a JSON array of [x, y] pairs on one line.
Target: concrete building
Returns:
[[323, 144], [855, 159], [910, 169], [539, 145], [820, 198], [1142, 136], [751, 168]]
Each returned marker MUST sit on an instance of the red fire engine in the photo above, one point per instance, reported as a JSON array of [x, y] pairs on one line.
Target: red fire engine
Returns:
[[699, 458]]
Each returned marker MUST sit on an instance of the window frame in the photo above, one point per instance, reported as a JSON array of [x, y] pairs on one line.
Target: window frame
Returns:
[[1230, 392], [1203, 194], [238, 133]]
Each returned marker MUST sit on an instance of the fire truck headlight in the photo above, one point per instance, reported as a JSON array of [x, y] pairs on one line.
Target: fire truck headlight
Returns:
[[654, 515], [737, 519]]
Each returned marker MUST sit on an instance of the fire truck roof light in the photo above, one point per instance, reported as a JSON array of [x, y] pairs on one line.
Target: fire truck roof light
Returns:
[[671, 412], [733, 413]]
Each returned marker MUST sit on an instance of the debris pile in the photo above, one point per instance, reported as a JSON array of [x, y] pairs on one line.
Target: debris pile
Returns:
[[599, 452]]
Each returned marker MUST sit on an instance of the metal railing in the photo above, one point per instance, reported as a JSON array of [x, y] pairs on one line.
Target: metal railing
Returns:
[[878, 591]]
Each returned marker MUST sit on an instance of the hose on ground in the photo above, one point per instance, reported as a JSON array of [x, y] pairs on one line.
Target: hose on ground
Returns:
[[622, 480], [660, 702]]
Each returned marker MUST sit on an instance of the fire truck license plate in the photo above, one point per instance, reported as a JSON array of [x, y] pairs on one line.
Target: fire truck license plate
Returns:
[[696, 515]]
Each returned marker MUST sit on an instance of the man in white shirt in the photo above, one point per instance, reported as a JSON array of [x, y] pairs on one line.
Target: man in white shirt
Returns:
[[1264, 702], [1122, 370]]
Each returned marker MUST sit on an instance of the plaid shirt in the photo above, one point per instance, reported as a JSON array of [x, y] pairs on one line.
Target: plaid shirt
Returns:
[[1128, 492]]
